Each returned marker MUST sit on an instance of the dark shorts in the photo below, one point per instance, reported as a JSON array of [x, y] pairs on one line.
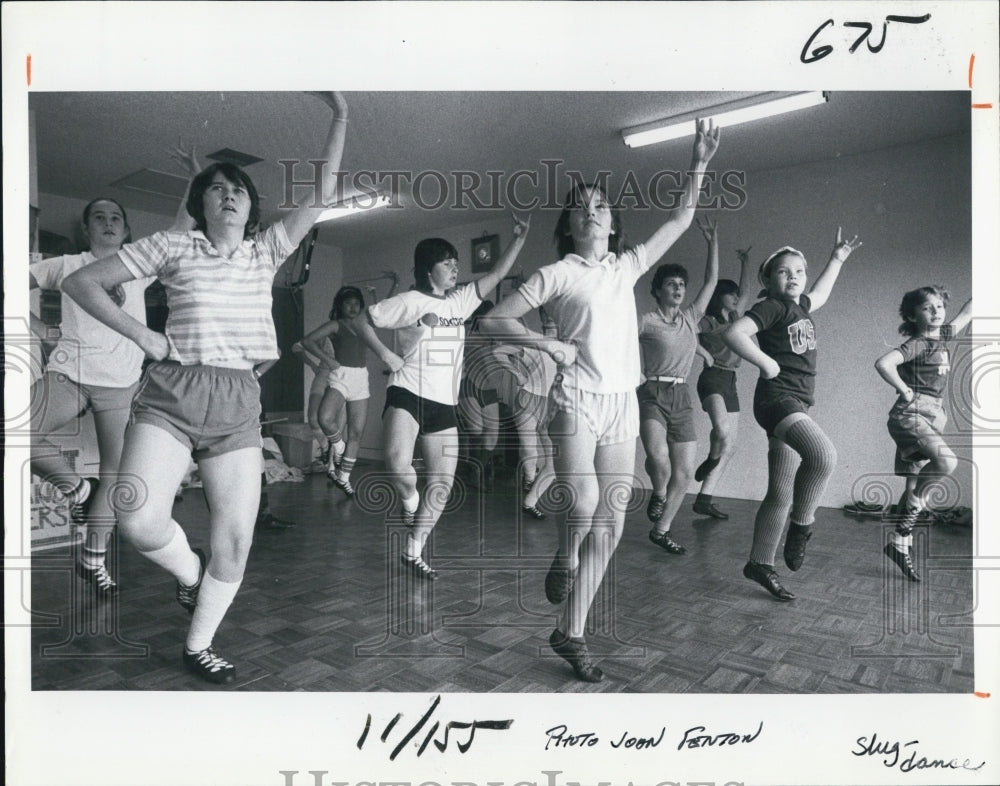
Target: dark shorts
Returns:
[[668, 403], [431, 416], [771, 411], [211, 410], [916, 429], [483, 396], [719, 382]]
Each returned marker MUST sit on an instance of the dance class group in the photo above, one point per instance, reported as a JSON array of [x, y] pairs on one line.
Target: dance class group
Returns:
[[596, 377]]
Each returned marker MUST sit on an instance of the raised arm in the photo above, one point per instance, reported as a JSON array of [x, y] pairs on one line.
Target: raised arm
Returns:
[[183, 221], [88, 287], [821, 290], [491, 280], [706, 142], [887, 368], [300, 221], [739, 338], [748, 292], [316, 343], [962, 319], [710, 231]]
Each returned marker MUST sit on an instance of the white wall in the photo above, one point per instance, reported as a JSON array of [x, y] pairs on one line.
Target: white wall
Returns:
[[910, 207]]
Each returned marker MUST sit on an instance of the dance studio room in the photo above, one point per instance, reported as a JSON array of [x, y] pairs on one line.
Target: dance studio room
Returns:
[[469, 472]]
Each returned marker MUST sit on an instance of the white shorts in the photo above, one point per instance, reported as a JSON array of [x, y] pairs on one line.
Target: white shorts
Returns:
[[611, 417], [351, 382]]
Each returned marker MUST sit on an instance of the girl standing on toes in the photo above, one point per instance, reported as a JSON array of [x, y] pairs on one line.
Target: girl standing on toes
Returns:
[[343, 408], [717, 381], [420, 401], [668, 338], [201, 398], [918, 370], [786, 357], [593, 407]]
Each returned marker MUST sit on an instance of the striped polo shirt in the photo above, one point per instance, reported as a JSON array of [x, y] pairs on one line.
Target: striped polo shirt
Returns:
[[220, 308]]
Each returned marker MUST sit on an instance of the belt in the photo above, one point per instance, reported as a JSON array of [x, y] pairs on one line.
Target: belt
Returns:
[[671, 380]]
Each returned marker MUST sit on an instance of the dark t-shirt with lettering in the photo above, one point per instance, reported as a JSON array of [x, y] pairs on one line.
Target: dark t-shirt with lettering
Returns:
[[926, 362], [786, 333]]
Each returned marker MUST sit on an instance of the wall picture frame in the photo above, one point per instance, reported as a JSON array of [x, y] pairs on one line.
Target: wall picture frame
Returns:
[[485, 252]]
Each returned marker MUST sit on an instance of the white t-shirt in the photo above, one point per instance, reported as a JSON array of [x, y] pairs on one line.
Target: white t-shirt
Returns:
[[432, 355], [593, 305], [89, 352]]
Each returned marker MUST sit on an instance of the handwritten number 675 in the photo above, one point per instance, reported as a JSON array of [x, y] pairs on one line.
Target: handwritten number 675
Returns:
[[822, 51]]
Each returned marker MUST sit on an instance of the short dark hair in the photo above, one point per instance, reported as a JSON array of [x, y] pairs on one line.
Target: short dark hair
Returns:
[[726, 286], [669, 270], [195, 201], [426, 255], [343, 295], [573, 201], [913, 300], [90, 206]]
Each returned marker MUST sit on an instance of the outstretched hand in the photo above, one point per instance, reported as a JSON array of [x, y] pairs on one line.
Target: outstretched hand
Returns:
[[333, 99], [743, 254], [706, 140], [521, 225], [709, 229], [843, 248], [186, 158]]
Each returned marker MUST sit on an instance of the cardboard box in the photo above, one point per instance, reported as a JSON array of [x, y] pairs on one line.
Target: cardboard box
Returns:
[[296, 443]]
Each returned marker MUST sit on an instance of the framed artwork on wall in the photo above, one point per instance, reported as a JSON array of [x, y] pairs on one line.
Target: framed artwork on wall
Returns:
[[485, 251]]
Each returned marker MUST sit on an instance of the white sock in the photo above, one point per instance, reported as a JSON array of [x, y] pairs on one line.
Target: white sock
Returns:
[[900, 542], [177, 557], [80, 494], [411, 504], [214, 599], [412, 548]]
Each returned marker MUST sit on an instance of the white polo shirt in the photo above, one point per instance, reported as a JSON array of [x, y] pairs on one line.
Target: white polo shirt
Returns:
[[432, 354], [593, 305]]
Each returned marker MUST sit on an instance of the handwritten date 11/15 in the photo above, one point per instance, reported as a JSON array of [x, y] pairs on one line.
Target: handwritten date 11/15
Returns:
[[866, 29], [440, 744]]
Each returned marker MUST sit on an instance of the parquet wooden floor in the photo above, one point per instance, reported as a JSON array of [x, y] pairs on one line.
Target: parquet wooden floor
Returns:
[[322, 608]]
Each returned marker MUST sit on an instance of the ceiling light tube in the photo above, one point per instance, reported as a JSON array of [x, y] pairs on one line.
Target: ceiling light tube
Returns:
[[730, 114], [357, 204]]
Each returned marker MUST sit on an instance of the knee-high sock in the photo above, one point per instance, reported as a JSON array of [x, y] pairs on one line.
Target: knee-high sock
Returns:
[[177, 557], [214, 599], [773, 510], [819, 459]]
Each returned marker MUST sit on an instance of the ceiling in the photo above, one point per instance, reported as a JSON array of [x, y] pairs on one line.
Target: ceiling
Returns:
[[87, 141]]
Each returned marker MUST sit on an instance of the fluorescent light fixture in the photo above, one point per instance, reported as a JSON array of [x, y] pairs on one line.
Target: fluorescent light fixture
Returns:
[[353, 205], [729, 114]]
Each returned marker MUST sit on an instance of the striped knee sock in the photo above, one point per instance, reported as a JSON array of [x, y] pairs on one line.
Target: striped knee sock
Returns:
[[819, 458], [346, 465], [773, 511]]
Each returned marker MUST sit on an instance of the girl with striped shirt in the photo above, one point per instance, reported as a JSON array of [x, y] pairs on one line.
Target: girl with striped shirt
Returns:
[[201, 397]]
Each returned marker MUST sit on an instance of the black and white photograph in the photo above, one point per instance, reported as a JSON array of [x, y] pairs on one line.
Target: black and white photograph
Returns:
[[602, 429]]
